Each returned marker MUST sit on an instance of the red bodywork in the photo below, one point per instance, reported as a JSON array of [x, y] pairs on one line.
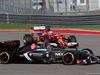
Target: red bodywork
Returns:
[[58, 37], [53, 36]]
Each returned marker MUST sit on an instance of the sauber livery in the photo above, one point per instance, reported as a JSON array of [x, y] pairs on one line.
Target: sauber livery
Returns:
[[36, 52]]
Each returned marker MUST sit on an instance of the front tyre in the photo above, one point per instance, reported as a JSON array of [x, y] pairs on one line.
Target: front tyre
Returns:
[[88, 50], [72, 38], [6, 57], [69, 58]]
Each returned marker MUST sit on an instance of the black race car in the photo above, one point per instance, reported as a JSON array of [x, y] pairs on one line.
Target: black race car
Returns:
[[10, 51]]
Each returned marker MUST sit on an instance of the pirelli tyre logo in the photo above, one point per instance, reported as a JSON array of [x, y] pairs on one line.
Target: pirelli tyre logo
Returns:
[[59, 54]]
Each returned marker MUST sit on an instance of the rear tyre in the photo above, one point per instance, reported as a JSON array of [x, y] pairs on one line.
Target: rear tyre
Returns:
[[72, 38], [27, 39], [69, 58], [6, 57], [46, 40], [88, 51]]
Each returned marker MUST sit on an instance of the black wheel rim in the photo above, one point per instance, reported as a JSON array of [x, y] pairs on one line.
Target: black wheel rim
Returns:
[[68, 58]]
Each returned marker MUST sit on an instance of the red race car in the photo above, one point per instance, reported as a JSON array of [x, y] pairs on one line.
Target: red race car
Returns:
[[46, 36]]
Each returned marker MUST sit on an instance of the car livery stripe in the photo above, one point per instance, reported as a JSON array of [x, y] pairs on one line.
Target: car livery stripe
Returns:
[[27, 57]]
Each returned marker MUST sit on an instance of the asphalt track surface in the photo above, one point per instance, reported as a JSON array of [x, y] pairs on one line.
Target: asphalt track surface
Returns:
[[85, 41]]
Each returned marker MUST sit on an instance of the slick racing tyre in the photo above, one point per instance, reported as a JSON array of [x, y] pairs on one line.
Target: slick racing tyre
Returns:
[[46, 40], [27, 39], [6, 57], [72, 38], [88, 51], [69, 58]]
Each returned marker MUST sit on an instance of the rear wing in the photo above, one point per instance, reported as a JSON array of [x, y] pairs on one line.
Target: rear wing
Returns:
[[38, 29]]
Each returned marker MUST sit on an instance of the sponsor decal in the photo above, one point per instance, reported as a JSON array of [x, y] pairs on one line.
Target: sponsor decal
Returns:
[[39, 28], [33, 46], [35, 54], [72, 44], [41, 49], [58, 54], [59, 37]]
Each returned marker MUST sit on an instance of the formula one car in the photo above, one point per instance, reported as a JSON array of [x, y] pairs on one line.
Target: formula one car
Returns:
[[10, 51], [48, 37]]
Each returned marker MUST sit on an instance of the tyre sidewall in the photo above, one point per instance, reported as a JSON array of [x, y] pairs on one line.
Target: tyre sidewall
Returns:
[[9, 56], [72, 38], [27, 39], [73, 58], [87, 50], [46, 40]]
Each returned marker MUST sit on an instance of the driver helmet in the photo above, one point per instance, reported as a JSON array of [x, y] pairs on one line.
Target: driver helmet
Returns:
[[50, 32]]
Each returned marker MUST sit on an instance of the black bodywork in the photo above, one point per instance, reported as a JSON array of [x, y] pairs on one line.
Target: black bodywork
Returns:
[[37, 52]]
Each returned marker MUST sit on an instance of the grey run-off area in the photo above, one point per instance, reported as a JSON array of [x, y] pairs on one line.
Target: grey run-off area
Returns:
[[85, 41]]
